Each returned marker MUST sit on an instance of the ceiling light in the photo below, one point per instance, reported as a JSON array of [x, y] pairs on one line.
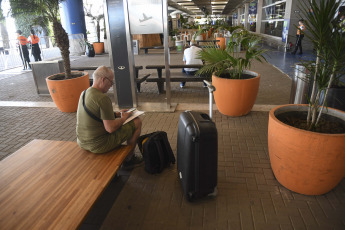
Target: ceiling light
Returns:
[[219, 3]]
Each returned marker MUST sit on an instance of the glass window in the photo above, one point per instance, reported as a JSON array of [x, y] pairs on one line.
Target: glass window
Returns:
[[270, 2], [274, 12], [252, 16], [274, 27]]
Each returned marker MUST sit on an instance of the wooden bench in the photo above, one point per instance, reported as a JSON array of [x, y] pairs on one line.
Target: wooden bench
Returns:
[[53, 184], [146, 49], [181, 77], [138, 79]]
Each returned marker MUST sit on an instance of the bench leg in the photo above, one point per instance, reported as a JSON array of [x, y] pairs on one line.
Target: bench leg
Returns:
[[146, 51], [138, 87], [160, 86]]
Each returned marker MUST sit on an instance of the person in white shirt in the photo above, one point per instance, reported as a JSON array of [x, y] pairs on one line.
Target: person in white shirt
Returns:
[[190, 57]]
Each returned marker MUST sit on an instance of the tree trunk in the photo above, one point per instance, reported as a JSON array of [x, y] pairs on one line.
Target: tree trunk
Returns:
[[62, 41]]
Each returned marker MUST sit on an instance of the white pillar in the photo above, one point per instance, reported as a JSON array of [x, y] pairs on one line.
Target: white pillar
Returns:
[[239, 16], [246, 10], [259, 17]]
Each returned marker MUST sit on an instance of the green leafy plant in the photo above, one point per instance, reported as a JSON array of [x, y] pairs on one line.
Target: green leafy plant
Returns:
[[329, 43], [228, 63], [49, 10]]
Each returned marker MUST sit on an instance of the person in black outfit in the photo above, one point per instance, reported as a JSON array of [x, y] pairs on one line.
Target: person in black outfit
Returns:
[[299, 37], [23, 49], [35, 48]]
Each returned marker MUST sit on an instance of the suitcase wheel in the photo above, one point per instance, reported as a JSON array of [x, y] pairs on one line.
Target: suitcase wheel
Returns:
[[190, 196], [214, 193]]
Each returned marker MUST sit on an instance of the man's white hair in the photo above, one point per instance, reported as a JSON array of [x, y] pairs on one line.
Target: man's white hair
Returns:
[[102, 72]]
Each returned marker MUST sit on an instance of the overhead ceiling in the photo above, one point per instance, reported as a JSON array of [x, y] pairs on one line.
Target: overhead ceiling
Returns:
[[209, 7]]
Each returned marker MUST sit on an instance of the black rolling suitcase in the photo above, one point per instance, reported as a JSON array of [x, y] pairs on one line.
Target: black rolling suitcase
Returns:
[[197, 154]]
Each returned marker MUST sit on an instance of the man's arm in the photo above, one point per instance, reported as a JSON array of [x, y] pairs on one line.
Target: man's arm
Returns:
[[113, 125]]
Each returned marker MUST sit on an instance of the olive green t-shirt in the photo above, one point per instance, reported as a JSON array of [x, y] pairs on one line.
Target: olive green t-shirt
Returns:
[[91, 134]]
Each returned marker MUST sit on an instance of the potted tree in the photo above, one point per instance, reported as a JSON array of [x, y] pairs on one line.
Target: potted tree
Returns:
[[64, 88], [306, 142], [98, 46], [236, 86]]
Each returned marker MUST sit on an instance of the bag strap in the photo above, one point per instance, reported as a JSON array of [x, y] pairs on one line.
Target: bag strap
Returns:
[[88, 112]]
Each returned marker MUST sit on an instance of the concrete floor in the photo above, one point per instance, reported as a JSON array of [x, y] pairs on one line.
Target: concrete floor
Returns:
[[249, 195]]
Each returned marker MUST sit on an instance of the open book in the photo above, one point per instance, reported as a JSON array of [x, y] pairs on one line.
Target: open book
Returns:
[[135, 114]]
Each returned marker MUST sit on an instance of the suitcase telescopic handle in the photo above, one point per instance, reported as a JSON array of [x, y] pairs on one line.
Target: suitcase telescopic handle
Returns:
[[211, 89]]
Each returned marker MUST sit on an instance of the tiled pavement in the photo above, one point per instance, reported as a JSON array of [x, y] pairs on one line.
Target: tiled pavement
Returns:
[[249, 196]]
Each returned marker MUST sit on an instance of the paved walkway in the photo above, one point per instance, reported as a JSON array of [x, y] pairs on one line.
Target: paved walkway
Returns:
[[249, 196]]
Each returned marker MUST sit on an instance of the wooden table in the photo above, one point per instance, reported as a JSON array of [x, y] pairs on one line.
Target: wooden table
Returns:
[[198, 41], [159, 68], [53, 184]]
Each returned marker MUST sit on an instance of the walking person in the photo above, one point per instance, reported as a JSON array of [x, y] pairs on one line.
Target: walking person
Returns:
[[23, 49], [299, 37], [35, 48]]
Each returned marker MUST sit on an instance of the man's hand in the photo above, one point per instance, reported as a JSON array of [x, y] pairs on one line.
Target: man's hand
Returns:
[[125, 115]]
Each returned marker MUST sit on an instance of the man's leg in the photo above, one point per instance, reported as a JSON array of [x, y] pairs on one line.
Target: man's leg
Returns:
[[300, 45], [131, 160], [296, 45], [183, 83], [136, 134]]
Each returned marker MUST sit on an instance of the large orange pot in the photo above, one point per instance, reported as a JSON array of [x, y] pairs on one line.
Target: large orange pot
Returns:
[[98, 47], [204, 36], [236, 97], [65, 93], [221, 42], [305, 162]]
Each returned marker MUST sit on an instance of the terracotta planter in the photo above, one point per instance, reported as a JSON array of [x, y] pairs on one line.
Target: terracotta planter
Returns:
[[305, 162], [98, 47], [221, 42], [236, 97], [65, 93], [204, 36]]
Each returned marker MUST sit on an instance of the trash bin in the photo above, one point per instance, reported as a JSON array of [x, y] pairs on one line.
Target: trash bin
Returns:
[[179, 46], [300, 88], [43, 69]]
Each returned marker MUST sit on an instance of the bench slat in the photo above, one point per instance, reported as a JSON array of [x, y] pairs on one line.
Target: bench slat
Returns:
[[176, 79], [173, 66], [53, 184]]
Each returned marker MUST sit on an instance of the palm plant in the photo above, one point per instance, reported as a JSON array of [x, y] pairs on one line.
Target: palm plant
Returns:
[[48, 9], [228, 63], [329, 43]]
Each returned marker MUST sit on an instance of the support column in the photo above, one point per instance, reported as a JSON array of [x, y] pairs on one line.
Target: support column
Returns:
[[239, 16], [259, 17], [120, 52], [246, 10], [72, 17]]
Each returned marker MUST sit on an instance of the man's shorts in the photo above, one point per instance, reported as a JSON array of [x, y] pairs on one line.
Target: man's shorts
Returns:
[[121, 135]]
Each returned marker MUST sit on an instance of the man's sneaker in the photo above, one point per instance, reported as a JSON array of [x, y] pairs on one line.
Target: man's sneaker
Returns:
[[135, 161], [181, 85]]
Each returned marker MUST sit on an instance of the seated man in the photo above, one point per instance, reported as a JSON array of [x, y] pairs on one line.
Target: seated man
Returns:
[[101, 131], [190, 57]]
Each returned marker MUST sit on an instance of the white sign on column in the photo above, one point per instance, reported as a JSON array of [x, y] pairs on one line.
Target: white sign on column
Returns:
[[145, 16]]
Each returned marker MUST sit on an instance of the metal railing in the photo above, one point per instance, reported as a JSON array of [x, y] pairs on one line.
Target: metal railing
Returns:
[[10, 56]]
